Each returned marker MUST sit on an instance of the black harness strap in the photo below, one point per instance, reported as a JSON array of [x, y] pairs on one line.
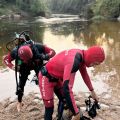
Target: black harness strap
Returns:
[[45, 73]]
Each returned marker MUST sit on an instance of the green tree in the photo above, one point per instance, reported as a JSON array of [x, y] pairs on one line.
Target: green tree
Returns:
[[37, 6], [33, 6], [107, 8]]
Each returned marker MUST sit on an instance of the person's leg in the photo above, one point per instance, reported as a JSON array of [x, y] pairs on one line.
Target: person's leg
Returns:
[[59, 93], [48, 113], [47, 92], [23, 74]]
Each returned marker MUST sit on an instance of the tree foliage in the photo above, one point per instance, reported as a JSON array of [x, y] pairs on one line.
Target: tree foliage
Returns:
[[107, 8], [33, 6], [67, 6], [104, 8]]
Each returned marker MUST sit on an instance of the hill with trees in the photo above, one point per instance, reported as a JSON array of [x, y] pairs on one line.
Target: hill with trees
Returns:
[[107, 9]]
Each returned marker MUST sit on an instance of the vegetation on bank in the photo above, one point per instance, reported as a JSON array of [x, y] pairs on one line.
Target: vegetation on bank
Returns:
[[106, 9], [99, 9], [34, 7], [31, 7]]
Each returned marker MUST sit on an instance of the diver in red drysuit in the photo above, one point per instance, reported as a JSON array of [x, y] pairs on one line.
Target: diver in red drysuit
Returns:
[[59, 73]]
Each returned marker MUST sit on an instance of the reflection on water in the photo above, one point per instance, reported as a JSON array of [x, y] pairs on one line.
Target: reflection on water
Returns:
[[61, 42], [75, 34]]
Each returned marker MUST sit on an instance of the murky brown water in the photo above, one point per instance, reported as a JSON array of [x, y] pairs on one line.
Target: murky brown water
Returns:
[[75, 34]]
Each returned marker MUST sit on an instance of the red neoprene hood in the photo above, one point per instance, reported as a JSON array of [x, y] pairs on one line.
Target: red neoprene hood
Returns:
[[94, 54], [25, 53]]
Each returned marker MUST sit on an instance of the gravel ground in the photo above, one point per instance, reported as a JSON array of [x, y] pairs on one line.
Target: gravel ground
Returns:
[[33, 108]]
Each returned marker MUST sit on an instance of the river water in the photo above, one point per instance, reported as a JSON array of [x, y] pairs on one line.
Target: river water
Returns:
[[64, 32]]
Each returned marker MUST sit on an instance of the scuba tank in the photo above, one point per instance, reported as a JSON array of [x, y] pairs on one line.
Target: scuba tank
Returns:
[[22, 39]]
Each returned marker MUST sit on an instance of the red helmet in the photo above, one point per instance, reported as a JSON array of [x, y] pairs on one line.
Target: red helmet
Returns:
[[25, 53], [94, 55]]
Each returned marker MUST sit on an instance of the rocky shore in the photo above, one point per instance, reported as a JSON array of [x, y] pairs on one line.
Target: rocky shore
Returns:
[[33, 108]]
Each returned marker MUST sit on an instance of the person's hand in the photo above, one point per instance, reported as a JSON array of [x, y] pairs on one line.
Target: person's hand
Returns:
[[76, 117], [45, 57], [18, 68], [94, 96], [19, 106]]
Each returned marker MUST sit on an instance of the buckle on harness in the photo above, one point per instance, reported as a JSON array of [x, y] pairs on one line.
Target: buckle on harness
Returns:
[[44, 72]]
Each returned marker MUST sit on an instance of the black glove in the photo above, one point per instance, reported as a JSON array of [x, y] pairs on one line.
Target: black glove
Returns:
[[45, 57]]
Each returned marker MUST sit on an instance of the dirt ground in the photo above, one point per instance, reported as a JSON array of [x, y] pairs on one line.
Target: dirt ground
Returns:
[[33, 108]]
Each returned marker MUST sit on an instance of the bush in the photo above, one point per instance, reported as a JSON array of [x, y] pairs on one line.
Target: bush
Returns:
[[33, 6], [107, 8]]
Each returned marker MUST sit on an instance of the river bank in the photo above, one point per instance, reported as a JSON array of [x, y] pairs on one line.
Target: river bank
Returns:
[[65, 34], [33, 108]]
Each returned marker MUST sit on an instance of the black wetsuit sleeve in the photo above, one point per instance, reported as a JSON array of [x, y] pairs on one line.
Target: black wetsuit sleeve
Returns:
[[66, 87], [39, 52]]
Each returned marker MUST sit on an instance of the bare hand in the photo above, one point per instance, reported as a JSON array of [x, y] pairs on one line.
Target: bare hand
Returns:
[[94, 96], [13, 68]]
